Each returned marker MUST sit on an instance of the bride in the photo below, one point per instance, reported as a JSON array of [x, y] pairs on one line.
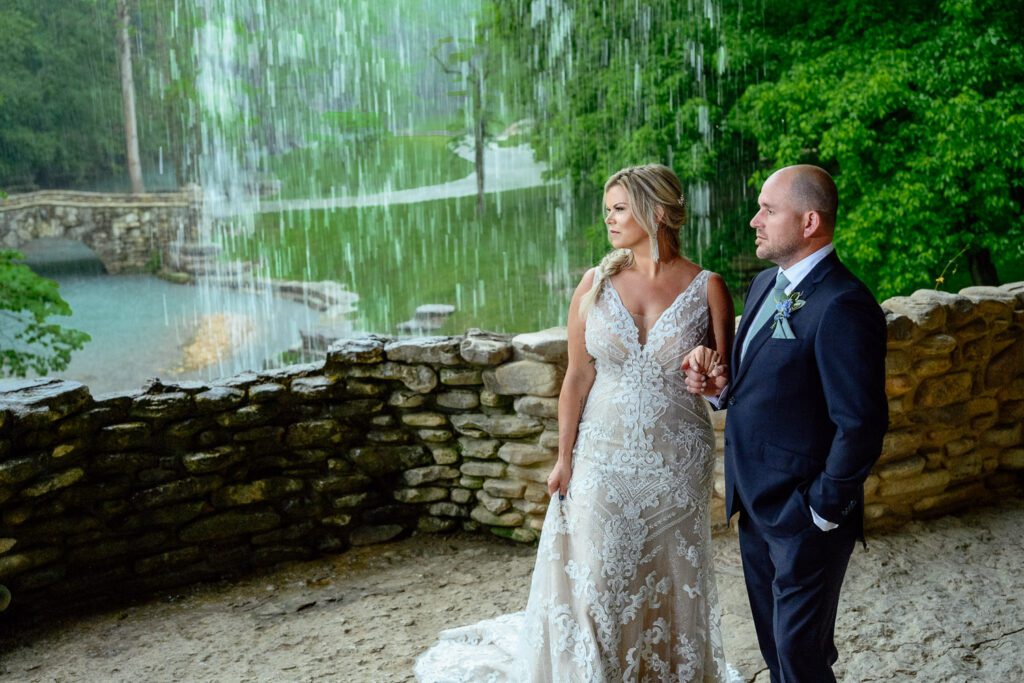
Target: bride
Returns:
[[623, 588]]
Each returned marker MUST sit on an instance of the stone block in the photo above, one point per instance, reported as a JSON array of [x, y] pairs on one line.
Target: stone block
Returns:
[[493, 504], [482, 449], [424, 475], [36, 403], [317, 388], [169, 560], [525, 454], [265, 392], [351, 501], [901, 330], [935, 345], [170, 515], [548, 346], [473, 468], [378, 461], [351, 483], [385, 436], [53, 482], [474, 483], [530, 507], [504, 488], [537, 491], [898, 385], [161, 406], [356, 350], [535, 406], [943, 391], [525, 377], [485, 348], [403, 398], [418, 378], [435, 435], [440, 350], [444, 455], [427, 494], [484, 516], [217, 399], [182, 489], [1012, 459], [123, 437], [447, 510], [899, 444], [248, 416], [228, 524], [538, 475], [19, 470], [1006, 365], [458, 399], [258, 491], [357, 387], [1004, 436], [12, 565], [312, 433], [926, 314], [424, 419], [489, 399], [901, 469], [932, 366], [898, 362], [260, 438], [461, 376], [924, 484], [501, 426]]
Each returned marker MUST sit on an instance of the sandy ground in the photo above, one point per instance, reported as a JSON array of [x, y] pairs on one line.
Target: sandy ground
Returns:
[[935, 601]]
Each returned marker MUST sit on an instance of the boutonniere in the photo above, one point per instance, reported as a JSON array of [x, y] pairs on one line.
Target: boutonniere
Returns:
[[784, 309]]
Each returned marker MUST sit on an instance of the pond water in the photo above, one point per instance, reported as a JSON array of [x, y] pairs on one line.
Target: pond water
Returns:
[[144, 327]]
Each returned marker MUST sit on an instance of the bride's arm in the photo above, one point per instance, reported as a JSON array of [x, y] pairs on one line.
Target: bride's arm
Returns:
[[706, 369], [579, 377]]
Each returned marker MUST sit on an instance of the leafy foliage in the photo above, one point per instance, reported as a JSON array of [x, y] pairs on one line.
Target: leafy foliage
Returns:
[[28, 341], [916, 113]]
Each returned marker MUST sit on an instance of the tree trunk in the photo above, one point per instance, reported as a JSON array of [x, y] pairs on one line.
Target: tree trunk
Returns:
[[131, 136], [479, 132], [983, 270]]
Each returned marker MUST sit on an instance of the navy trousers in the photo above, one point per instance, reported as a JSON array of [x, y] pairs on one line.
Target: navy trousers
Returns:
[[793, 584]]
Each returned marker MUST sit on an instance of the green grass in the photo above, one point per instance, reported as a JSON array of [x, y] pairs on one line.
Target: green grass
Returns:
[[337, 168], [506, 272]]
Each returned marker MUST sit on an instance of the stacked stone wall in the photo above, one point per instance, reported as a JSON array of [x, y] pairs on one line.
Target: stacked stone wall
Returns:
[[124, 230], [177, 483]]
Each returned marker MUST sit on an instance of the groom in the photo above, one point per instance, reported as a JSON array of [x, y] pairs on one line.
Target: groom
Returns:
[[807, 413]]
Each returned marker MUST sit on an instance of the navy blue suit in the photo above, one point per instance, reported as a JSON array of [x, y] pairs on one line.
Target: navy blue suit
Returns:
[[805, 426]]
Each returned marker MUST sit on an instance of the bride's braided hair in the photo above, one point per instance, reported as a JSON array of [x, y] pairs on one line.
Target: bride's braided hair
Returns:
[[649, 188]]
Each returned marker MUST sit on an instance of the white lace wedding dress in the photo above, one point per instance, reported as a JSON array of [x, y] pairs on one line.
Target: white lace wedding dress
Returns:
[[623, 588]]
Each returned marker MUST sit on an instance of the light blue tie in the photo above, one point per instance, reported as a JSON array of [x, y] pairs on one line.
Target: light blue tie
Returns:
[[767, 310]]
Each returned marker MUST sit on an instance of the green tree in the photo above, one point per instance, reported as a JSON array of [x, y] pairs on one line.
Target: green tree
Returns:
[[917, 114], [27, 340]]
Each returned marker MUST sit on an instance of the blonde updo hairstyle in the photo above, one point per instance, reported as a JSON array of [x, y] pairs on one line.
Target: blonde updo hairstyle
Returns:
[[649, 187]]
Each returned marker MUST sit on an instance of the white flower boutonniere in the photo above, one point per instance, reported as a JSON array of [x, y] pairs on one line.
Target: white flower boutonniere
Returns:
[[784, 309]]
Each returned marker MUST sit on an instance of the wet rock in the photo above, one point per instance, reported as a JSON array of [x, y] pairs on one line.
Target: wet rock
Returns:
[[548, 346]]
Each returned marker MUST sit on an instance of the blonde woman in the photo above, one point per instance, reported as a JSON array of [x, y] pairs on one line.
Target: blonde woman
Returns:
[[623, 588]]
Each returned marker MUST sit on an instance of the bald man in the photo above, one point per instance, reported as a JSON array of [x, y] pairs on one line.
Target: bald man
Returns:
[[807, 413]]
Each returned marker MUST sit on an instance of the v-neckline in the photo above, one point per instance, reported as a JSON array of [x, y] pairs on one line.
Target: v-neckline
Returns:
[[636, 329]]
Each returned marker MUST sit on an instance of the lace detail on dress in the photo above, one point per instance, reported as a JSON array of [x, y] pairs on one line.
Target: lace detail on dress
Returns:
[[623, 588]]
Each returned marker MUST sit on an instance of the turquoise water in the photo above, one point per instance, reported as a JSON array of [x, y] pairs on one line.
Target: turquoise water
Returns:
[[141, 326]]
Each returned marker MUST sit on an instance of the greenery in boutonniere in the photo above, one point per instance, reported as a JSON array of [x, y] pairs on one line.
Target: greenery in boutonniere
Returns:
[[784, 309]]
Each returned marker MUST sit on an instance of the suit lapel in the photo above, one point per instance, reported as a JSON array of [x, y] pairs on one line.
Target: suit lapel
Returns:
[[806, 288]]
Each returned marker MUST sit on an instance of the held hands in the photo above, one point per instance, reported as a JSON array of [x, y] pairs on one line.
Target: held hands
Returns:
[[705, 373], [558, 480]]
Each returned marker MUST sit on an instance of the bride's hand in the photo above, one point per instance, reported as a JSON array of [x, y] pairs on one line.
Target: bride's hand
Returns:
[[704, 372], [558, 480]]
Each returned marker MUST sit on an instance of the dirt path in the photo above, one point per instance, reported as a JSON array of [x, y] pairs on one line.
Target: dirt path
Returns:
[[935, 601]]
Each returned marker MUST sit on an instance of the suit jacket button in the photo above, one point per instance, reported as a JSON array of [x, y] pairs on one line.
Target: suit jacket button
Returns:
[[732, 401]]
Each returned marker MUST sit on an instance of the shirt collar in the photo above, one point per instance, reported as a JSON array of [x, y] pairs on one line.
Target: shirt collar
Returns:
[[799, 270]]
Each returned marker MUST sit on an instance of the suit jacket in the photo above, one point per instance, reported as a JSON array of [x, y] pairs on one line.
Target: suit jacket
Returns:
[[807, 415]]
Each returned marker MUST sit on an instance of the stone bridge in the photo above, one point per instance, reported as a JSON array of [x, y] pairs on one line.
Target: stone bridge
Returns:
[[125, 231]]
